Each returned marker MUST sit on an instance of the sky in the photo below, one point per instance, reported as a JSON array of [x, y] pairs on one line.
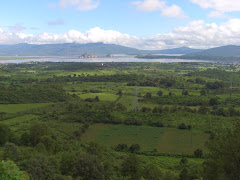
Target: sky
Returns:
[[142, 24]]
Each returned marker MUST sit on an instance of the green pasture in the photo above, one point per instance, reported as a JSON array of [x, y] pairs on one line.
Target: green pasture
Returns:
[[15, 108], [168, 162], [102, 96], [20, 123], [165, 140]]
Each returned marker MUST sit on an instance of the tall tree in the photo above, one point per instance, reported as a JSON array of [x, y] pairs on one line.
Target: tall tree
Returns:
[[224, 157]]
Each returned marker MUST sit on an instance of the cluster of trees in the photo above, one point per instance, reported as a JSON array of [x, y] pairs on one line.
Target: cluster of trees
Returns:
[[95, 78], [124, 147], [32, 94]]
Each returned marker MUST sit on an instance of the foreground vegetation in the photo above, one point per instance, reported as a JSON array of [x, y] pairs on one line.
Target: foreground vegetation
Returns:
[[119, 121]]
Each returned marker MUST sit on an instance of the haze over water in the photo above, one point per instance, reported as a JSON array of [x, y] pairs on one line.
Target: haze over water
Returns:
[[114, 59]]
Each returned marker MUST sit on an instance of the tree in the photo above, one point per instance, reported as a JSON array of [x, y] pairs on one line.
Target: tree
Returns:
[[183, 161], [203, 110], [88, 167], [40, 167], [122, 147], [119, 92], [184, 92], [10, 171], [67, 163], [97, 99], [198, 153], [148, 95], [159, 93], [49, 143], [11, 152], [213, 101], [134, 148], [224, 156], [5, 134], [131, 167], [37, 130], [182, 126], [203, 92], [152, 172], [25, 139], [170, 94]]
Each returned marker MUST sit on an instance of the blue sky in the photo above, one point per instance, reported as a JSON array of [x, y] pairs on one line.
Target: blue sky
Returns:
[[150, 24]]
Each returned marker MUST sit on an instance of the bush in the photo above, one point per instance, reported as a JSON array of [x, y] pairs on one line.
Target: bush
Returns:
[[198, 153], [182, 126]]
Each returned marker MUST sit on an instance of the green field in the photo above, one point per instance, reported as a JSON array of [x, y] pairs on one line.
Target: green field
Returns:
[[165, 140], [15, 108], [102, 96]]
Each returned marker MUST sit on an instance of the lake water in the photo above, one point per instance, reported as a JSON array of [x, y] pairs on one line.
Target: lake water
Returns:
[[114, 59]]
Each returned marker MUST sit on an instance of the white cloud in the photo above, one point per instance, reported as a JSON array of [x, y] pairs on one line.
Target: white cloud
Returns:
[[17, 27], [219, 7], [196, 34], [158, 5], [56, 22], [82, 5]]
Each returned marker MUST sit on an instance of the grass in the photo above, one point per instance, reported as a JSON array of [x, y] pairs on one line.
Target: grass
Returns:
[[165, 140], [15, 108], [20, 123], [168, 162], [102, 96]]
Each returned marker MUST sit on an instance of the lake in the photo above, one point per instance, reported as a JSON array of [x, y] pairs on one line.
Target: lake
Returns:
[[113, 59]]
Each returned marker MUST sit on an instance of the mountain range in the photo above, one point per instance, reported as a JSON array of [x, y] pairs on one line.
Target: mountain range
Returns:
[[223, 53], [72, 49]]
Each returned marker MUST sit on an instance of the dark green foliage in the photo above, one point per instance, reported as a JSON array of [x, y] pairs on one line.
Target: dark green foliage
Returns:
[[213, 101], [5, 134], [25, 139], [131, 167], [119, 92], [122, 147], [223, 161], [182, 126], [184, 92], [49, 143], [88, 167], [67, 164], [11, 152], [148, 95], [183, 161], [203, 110], [159, 93], [215, 85], [198, 153], [40, 167], [152, 172], [37, 130], [34, 94], [134, 148], [145, 109]]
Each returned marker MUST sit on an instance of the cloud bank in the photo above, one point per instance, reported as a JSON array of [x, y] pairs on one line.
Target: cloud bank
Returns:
[[196, 34], [158, 5], [81, 5], [219, 7]]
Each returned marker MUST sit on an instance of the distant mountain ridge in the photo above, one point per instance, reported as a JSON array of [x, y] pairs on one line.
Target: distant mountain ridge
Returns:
[[230, 53], [70, 49], [181, 50], [225, 51]]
